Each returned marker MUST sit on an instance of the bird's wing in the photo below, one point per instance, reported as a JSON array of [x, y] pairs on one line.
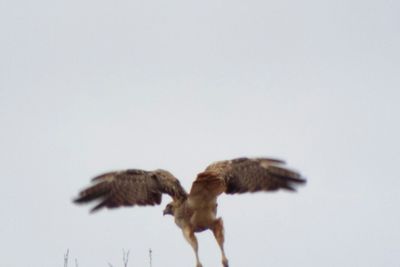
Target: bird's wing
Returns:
[[131, 187], [244, 175]]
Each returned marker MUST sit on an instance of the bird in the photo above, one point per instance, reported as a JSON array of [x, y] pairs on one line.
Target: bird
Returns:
[[195, 211]]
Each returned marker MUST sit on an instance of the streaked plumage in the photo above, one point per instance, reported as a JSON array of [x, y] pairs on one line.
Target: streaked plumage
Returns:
[[196, 211]]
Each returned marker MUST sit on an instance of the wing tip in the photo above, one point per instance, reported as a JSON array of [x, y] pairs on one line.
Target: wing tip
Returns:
[[77, 201], [294, 183], [96, 208], [81, 199]]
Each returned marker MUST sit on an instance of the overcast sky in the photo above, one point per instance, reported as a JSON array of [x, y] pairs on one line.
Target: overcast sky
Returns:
[[91, 86]]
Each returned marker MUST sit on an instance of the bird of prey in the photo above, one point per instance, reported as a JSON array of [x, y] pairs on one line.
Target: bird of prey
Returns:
[[196, 211]]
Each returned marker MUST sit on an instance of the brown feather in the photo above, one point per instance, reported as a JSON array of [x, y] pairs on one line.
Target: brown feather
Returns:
[[131, 187], [243, 175]]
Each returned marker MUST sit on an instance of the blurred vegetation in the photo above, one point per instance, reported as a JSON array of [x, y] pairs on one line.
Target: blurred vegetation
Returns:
[[125, 259]]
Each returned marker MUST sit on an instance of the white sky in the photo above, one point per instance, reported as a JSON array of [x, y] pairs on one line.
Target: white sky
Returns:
[[92, 86]]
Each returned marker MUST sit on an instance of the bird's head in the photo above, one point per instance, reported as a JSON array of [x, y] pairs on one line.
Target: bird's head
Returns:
[[169, 209]]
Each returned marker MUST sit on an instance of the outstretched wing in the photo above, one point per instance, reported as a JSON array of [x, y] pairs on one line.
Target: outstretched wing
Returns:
[[245, 175], [131, 187]]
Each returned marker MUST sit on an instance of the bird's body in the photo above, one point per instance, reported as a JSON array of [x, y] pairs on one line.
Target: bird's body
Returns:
[[196, 211], [188, 215]]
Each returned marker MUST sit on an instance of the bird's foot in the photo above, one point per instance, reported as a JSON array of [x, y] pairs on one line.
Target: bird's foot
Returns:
[[225, 263], [199, 264]]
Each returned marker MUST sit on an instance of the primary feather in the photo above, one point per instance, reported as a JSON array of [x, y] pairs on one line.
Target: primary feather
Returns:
[[244, 175], [131, 187]]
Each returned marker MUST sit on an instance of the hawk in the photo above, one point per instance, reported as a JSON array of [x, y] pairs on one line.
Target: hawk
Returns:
[[196, 211]]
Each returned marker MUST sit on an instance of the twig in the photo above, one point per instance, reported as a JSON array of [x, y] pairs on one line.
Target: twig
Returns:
[[151, 257], [66, 255], [125, 257]]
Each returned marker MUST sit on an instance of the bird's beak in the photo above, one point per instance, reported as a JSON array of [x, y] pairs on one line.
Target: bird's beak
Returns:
[[167, 211]]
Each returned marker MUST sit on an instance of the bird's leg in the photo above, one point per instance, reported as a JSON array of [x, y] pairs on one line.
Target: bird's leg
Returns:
[[218, 230], [191, 238]]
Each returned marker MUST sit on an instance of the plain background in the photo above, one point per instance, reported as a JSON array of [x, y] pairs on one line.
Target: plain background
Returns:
[[92, 86]]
